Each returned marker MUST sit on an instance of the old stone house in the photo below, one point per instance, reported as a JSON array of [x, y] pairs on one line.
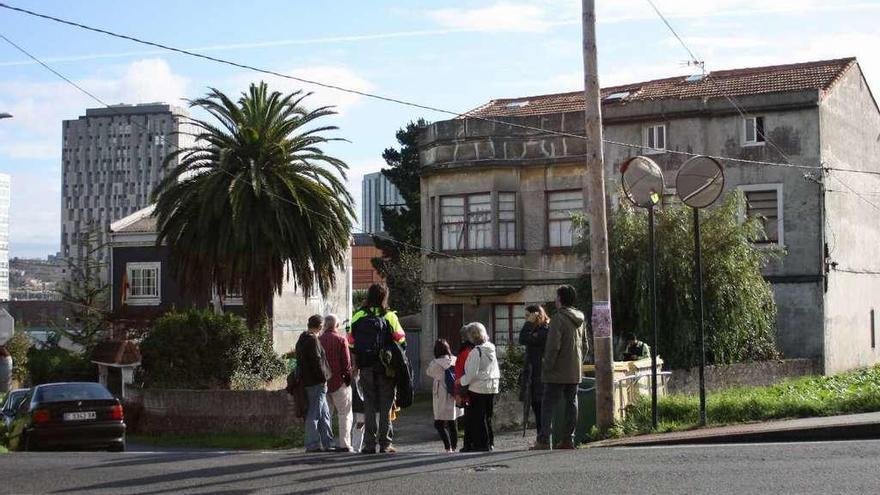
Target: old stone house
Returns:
[[802, 141]]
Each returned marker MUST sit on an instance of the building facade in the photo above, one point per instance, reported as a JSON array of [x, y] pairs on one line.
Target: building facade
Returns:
[[112, 159], [363, 250], [143, 288], [5, 203], [377, 192], [503, 195]]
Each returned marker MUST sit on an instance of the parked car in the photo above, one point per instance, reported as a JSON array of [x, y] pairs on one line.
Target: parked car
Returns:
[[77, 415], [7, 411]]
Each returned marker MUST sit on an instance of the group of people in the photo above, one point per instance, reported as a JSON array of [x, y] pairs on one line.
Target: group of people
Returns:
[[466, 385], [345, 373]]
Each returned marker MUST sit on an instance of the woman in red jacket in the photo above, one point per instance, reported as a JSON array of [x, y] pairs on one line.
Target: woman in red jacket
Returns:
[[461, 393]]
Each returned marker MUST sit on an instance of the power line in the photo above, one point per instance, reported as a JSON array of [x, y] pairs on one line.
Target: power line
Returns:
[[390, 239], [708, 77], [368, 94]]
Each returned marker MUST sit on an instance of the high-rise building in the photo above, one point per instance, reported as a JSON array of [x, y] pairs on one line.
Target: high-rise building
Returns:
[[113, 157], [5, 197], [377, 192]]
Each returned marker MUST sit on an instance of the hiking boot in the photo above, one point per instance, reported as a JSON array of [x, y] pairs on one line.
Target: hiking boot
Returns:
[[566, 445], [540, 446], [388, 450]]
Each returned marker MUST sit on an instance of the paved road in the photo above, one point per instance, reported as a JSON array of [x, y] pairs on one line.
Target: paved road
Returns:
[[802, 468]]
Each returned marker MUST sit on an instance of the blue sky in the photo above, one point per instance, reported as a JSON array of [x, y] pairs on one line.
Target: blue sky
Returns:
[[452, 54]]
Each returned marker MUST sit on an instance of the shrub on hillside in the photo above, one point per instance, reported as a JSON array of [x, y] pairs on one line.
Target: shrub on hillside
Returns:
[[198, 349]]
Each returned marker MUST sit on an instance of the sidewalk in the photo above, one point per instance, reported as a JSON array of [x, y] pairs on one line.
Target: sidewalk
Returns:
[[847, 427]]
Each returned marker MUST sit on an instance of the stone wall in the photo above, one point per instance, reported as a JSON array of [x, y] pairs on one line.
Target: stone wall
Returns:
[[741, 375], [154, 411]]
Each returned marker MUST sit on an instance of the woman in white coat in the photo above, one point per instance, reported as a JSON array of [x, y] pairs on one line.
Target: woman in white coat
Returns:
[[482, 376], [445, 411]]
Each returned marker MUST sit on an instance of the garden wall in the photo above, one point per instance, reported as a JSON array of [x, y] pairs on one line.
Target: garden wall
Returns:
[[158, 411], [741, 375]]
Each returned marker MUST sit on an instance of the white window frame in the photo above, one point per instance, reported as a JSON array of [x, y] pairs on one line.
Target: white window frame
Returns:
[[489, 232], [780, 220], [651, 130], [515, 319], [551, 221], [150, 300], [754, 123]]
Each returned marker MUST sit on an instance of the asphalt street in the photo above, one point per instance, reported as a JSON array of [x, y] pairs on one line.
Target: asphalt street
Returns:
[[802, 468]]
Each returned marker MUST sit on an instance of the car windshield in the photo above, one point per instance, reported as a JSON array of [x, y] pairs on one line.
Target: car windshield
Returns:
[[13, 399], [72, 391]]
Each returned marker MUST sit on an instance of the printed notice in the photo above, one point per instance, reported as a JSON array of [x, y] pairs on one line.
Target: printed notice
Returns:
[[601, 319]]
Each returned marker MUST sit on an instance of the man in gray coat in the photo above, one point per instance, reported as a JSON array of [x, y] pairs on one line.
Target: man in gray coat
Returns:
[[562, 369]]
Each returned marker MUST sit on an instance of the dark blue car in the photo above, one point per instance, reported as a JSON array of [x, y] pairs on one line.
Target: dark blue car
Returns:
[[81, 415]]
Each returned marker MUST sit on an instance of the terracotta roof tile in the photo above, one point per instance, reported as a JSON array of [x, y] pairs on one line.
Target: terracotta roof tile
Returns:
[[818, 75]]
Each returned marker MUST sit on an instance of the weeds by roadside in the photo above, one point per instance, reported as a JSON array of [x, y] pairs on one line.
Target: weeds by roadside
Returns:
[[847, 393]]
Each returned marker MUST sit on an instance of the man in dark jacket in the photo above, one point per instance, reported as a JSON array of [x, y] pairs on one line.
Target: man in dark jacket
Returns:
[[562, 368], [311, 363]]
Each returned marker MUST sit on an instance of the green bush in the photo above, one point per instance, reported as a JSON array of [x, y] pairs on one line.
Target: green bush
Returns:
[[738, 303], [511, 368], [18, 347], [54, 364], [846, 393], [198, 349]]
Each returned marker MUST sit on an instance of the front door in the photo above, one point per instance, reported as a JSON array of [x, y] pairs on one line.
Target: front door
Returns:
[[449, 321]]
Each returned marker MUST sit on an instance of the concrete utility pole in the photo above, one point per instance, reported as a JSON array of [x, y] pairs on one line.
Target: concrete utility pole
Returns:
[[599, 271]]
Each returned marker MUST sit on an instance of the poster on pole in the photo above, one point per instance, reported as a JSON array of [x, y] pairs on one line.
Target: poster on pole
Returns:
[[601, 319]]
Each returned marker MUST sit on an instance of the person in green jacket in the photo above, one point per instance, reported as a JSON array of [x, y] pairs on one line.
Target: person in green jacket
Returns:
[[634, 349], [562, 368]]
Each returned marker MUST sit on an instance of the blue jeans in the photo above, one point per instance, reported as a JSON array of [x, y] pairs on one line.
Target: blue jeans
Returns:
[[319, 434]]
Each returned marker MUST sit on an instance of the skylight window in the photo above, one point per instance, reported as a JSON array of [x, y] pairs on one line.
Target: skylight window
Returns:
[[694, 78], [617, 96], [517, 104]]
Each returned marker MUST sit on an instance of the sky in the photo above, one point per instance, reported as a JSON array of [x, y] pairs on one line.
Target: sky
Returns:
[[454, 55]]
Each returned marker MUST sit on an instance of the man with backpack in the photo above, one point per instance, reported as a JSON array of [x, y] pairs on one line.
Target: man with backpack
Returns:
[[314, 371], [375, 328]]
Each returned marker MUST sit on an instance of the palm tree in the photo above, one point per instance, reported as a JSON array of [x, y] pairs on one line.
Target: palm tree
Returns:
[[255, 200]]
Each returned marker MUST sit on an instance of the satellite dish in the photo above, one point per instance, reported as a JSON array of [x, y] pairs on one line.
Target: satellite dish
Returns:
[[699, 181], [642, 181]]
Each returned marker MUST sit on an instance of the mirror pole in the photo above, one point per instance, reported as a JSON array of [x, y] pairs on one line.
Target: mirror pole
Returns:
[[698, 292], [654, 348]]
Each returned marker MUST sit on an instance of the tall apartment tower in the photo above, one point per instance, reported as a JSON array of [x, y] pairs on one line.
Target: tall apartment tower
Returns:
[[377, 192], [5, 200], [113, 157]]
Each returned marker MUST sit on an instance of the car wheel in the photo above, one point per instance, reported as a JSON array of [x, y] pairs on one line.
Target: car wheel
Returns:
[[117, 447]]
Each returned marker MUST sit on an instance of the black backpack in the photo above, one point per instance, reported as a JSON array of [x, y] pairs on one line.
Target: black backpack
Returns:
[[371, 334]]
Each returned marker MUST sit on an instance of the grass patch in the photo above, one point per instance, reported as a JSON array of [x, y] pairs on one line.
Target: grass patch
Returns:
[[847, 393], [230, 441]]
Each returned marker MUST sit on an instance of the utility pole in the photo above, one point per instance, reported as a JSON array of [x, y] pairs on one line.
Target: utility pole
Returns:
[[599, 271]]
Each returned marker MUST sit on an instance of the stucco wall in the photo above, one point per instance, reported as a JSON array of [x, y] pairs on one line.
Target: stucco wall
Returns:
[[466, 156], [152, 411], [850, 124], [741, 375], [291, 310]]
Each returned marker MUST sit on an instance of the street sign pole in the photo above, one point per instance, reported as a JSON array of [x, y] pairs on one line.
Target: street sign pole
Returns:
[[654, 348], [698, 292]]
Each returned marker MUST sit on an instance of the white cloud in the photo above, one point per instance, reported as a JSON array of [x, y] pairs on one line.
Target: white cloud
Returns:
[[39, 107], [499, 17], [328, 74], [35, 215]]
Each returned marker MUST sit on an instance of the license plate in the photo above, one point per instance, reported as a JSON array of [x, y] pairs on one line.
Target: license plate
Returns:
[[79, 416]]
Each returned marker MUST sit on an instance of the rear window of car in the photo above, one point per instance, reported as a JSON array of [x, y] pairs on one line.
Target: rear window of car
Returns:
[[72, 391]]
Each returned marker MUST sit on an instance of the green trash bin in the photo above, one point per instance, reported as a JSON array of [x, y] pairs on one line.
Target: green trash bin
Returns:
[[586, 413]]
